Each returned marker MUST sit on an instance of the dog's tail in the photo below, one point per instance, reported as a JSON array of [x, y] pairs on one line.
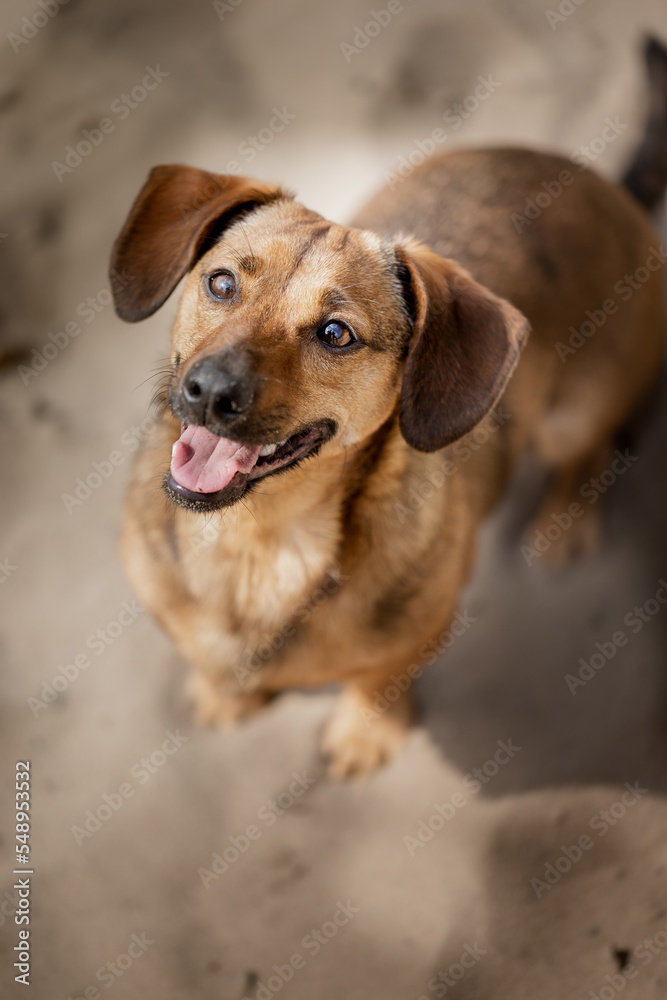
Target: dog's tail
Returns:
[[646, 177]]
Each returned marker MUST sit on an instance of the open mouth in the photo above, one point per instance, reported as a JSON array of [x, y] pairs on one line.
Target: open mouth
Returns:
[[208, 471]]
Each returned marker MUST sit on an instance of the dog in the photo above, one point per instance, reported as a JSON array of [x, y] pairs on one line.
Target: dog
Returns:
[[323, 376]]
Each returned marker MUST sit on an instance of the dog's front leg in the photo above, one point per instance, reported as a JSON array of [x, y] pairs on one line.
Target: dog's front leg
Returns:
[[215, 704], [369, 724]]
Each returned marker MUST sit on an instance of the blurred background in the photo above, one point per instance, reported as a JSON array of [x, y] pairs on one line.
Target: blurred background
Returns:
[[159, 891]]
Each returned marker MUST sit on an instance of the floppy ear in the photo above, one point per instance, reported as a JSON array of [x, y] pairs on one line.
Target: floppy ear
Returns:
[[165, 232], [464, 346]]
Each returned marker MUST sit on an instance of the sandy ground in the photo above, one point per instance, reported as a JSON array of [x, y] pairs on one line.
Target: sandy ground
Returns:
[[330, 883]]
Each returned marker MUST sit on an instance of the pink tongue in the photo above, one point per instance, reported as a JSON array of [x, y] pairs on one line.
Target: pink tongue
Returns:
[[202, 462]]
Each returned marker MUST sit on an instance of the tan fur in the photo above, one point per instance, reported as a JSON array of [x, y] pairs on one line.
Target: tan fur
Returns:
[[327, 565]]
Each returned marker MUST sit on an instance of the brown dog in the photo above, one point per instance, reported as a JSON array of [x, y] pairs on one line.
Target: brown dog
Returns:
[[322, 374]]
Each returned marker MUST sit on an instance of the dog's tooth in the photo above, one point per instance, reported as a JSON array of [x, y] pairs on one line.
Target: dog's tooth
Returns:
[[268, 449]]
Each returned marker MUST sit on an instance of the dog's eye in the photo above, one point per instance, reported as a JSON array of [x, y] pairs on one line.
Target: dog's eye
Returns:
[[336, 335], [222, 285]]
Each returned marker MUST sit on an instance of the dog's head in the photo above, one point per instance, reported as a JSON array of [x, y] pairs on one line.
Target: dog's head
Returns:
[[294, 333]]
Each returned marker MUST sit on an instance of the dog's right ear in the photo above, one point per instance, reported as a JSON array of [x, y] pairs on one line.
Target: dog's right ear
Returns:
[[177, 209], [464, 346]]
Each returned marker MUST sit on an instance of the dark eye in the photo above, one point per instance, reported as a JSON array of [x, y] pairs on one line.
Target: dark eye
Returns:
[[336, 335], [222, 285]]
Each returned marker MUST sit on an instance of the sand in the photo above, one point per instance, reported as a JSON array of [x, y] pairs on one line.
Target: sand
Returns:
[[520, 887]]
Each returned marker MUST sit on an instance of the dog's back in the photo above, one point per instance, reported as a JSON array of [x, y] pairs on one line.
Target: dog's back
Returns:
[[579, 257]]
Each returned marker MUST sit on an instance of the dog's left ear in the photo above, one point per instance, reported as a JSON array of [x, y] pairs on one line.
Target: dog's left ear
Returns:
[[176, 214], [464, 346]]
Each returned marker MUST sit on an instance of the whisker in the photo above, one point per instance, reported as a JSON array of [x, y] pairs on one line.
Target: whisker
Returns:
[[244, 231], [236, 254], [249, 511], [162, 386]]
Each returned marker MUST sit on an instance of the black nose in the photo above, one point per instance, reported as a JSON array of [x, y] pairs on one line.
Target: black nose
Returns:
[[213, 394]]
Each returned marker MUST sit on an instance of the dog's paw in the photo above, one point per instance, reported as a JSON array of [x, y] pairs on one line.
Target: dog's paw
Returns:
[[213, 707], [357, 740]]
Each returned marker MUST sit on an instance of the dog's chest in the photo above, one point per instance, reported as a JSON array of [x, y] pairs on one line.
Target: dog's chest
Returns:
[[257, 572]]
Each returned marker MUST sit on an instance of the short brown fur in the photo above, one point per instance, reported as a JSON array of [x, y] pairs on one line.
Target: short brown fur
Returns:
[[325, 572]]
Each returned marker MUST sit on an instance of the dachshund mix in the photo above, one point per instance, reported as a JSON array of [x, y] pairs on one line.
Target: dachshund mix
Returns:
[[324, 387]]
